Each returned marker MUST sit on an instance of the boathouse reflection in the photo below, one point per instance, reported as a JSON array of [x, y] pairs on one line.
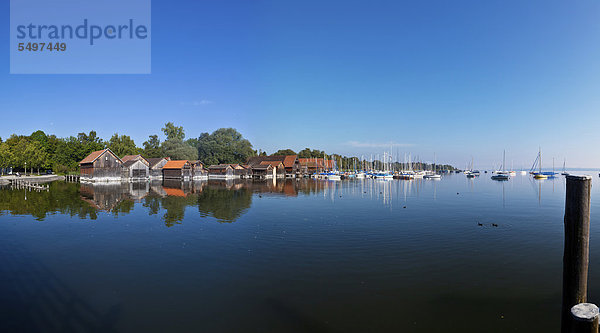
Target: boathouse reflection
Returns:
[[224, 200]]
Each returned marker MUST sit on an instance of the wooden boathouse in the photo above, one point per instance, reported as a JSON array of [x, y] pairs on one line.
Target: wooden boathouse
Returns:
[[264, 171], [177, 170], [101, 165], [136, 169], [290, 162], [156, 166], [278, 167], [198, 170], [221, 171]]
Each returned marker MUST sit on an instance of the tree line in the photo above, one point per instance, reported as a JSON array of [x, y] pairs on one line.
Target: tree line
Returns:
[[41, 151]]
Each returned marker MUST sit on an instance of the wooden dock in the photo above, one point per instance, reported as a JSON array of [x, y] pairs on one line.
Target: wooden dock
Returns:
[[19, 184]]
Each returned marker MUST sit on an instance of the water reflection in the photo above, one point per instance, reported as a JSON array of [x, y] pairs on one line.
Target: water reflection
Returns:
[[224, 200], [227, 200], [62, 198]]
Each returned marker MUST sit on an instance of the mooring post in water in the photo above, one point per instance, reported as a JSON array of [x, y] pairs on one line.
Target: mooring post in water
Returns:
[[584, 318], [576, 254]]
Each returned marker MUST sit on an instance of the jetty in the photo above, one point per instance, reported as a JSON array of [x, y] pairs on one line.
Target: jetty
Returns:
[[21, 184], [43, 179]]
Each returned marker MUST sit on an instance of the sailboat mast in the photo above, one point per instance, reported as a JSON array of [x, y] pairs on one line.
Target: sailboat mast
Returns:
[[540, 155]]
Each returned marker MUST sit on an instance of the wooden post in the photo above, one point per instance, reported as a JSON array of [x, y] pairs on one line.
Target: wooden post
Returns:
[[585, 318], [576, 253]]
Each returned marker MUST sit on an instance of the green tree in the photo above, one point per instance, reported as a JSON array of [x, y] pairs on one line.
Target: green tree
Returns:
[[225, 145], [41, 153], [35, 155], [152, 147], [5, 156], [285, 152], [122, 145], [173, 132], [91, 142], [308, 153], [174, 147]]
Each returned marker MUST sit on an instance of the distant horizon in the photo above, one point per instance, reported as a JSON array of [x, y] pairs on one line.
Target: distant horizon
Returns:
[[459, 80]]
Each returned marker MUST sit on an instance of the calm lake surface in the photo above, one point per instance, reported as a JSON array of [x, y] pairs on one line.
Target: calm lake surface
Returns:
[[296, 256]]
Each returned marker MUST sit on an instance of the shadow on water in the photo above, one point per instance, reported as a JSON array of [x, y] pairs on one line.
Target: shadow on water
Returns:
[[34, 299]]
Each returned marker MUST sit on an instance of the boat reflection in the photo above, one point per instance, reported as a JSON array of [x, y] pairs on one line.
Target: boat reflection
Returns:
[[225, 201]]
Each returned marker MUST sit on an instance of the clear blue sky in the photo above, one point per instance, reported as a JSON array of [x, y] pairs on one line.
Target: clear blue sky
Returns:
[[459, 78]]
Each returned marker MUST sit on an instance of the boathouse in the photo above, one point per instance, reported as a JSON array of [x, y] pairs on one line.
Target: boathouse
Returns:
[[278, 167], [290, 162], [101, 165], [198, 170], [136, 169], [221, 171], [264, 171], [240, 171], [177, 170], [315, 164], [156, 165]]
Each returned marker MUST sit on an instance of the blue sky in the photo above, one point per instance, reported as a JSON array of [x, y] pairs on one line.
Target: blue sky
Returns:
[[455, 78]]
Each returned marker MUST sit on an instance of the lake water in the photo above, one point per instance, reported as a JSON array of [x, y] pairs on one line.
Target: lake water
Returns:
[[296, 256]]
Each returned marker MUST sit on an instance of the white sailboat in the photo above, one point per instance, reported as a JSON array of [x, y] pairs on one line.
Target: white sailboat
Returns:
[[434, 174], [564, 172], [540, 175], [502, 174]]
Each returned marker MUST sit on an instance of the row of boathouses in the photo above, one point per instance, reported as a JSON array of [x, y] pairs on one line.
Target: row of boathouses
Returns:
[[104, 165]]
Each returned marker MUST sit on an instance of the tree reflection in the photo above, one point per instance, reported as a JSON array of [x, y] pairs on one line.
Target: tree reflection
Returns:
[[224, 200], [62, 198], [226, 205]]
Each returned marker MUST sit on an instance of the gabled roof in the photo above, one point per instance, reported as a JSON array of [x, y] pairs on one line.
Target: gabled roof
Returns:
[[93, 156], [271, 163], [262, 167], [132, 162], [154, 161], [219, 166], [316, 162], [290, 160], [287, 160], [175, 164], [128, 158], [132, 157]]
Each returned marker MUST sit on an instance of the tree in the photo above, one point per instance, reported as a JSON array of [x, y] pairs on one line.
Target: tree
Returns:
[[285, 152], [152, 147], [35, 155], [308, 153], [225, 145], [174, 147], [5, 156], [173, 132], [91, 142], [42, 152], [122, 145], [179, 150]]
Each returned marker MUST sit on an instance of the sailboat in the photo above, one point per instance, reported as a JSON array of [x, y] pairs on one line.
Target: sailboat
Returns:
[[540, 175], [564, 172], [434, 174], [501, 174], [471, 173]]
